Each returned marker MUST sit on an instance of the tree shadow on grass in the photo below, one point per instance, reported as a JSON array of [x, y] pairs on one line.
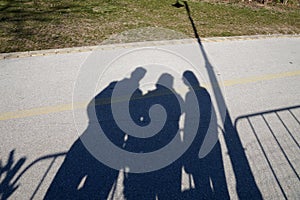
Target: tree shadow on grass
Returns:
[[21, 21]]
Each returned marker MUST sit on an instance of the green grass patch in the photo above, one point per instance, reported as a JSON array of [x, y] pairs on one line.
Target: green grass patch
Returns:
[[44, 24]]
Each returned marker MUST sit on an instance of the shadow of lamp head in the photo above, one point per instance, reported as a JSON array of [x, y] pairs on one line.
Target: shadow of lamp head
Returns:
[[178, 4]]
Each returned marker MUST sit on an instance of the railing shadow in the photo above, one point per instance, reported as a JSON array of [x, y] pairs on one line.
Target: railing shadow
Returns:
[[12, 174], [274, 127]]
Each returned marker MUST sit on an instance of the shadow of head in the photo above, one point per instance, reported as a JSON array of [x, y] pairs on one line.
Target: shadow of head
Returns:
[[190, 79], [138, 74], [165, 79]]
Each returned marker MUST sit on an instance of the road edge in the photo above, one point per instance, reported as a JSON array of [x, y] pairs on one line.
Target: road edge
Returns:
[[47, 52]]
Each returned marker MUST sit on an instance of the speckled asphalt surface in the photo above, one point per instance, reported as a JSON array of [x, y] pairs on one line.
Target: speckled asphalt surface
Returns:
[[261, 76]]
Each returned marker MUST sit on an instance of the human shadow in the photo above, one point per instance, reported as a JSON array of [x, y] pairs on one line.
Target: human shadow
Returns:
[[82, 176], [105, 115], [208, 172], [245, 183], [7, 174], [164, 183]]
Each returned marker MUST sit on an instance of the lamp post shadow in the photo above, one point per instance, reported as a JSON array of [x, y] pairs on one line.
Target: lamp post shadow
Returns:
[[246, 186]]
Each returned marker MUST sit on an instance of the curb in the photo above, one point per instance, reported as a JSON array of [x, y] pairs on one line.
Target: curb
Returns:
[[4, 56]]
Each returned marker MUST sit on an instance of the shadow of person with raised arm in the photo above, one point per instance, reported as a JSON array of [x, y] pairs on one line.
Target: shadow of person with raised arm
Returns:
[[81, 176], [208, 172], [164, 183]]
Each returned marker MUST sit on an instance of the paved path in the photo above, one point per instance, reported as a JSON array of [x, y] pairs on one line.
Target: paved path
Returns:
[[261, 78]]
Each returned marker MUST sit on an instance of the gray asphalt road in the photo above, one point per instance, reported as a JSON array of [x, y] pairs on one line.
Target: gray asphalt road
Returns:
[[261, 80]]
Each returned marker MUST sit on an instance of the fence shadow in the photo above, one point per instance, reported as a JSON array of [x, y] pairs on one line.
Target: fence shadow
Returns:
[[275, 132], [11, 173]]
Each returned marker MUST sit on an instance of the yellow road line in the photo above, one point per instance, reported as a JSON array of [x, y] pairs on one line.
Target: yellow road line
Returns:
[[261, 78], [35, 111], [68, 107]]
